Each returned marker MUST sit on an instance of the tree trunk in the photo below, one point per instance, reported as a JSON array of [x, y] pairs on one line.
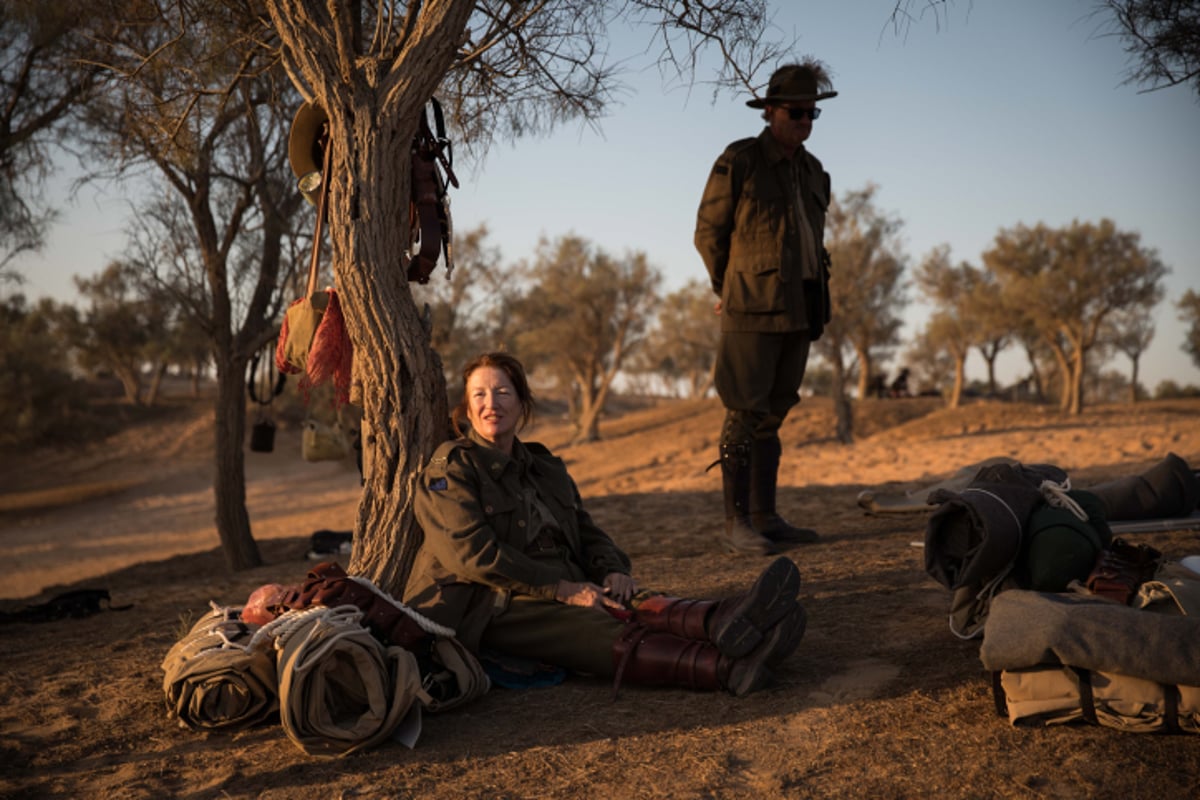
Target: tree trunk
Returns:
[[229, 482], [1078, 367], [990, 360], [374, 105], [864, 373], [960, 372], [160, 369], [1039, 387], [588, 429], [841, 404], [403, 387], [1066, 377], [1133, 382], [592, 406], [131, 384]]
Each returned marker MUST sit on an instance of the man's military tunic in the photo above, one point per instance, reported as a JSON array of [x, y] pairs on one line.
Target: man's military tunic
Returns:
[[500, 533], [760, 229]]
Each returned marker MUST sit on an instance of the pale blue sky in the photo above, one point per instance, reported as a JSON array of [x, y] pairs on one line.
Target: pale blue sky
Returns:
[[1004, 112]]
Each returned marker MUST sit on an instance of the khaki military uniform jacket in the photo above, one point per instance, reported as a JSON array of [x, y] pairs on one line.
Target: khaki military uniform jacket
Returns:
[[746, 232], [477, 508]]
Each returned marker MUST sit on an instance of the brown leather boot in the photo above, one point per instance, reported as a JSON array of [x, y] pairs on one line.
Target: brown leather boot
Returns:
[[753, 671], [647, 658], [736, 624]]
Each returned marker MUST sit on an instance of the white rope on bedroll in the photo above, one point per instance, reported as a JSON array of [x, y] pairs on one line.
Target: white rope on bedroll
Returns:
[[340, 689], [425, 623], [1056, 495], [284, 627]]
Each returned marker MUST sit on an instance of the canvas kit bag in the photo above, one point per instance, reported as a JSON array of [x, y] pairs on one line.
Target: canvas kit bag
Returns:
[[1062, 658], [322, 442]]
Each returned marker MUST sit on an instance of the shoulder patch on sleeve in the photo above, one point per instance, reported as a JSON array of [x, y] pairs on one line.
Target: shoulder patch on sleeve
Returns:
[[438, 484]]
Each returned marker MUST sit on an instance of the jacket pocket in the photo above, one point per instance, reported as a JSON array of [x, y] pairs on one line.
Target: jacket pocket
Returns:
[[500, 509], [755, 291]]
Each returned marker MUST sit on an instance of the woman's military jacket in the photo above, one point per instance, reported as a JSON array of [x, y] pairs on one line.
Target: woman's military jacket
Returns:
[[746, 234], [479, 509]]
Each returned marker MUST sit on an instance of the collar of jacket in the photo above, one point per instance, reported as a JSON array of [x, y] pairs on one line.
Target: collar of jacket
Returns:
[[498, 461], [773, 151]]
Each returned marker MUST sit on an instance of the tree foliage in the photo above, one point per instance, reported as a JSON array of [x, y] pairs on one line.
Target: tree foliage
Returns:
[[1189, 314], [866, 288], [952, 290], [1162, 39], [1069, 282], [466, 307], [681, 347], [931, 365], [41, 402], [119, 329], [41, 87], [1130, 331], [584, 314], [205, 107]]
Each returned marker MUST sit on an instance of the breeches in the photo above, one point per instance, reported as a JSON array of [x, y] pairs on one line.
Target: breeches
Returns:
[[758, 378], [576, 638]]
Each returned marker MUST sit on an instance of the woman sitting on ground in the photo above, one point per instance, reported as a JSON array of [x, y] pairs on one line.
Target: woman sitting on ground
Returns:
[[516, 566]]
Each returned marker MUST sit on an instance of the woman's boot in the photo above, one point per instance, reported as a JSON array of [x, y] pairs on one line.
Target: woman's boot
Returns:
[[648, 658], [736, 624]]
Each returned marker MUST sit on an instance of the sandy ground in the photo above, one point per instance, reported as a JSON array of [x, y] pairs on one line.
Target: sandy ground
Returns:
[[874, 702]]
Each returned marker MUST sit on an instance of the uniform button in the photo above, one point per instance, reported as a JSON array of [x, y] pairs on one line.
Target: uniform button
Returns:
[[487, 509], [495, 466], [520, 523]]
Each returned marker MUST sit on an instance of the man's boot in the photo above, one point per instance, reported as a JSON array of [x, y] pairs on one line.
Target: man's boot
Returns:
[[764, 472], [647, 658], [736, 625], [740, 536]]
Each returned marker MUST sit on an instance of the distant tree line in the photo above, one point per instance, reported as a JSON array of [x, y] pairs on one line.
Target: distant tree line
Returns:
[[1072, 299]]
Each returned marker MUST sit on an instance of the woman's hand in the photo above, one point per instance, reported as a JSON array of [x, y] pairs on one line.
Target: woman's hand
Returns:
[[620, 587], [585, 594]]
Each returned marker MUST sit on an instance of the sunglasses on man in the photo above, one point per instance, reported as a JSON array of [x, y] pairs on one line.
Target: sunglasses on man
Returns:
[[801, 113]]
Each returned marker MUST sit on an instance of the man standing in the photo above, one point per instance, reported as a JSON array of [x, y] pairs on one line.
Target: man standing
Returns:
[[760, 230]]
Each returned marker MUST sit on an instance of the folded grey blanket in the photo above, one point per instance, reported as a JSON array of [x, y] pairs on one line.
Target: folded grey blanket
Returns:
[[1026, 628]]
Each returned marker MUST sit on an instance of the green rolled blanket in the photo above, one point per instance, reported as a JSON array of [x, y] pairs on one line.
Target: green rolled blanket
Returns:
[[1061, 547]]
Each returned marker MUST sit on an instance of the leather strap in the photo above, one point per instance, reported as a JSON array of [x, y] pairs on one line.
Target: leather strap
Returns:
[[1087, 701], [998, 695], [315, 261]]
